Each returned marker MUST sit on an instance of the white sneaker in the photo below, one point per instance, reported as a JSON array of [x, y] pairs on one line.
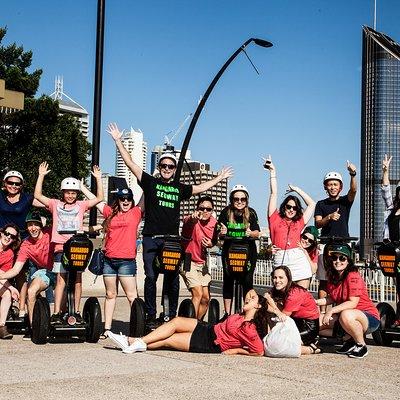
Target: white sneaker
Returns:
[[137, 345], [120, 340]]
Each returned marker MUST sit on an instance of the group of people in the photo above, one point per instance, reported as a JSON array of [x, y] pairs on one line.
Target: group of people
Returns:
[[294, 244]]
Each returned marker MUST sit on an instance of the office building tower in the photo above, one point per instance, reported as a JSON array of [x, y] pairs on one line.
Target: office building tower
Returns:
[[202, 172], [380, 130], [137, 148], [70, 106]]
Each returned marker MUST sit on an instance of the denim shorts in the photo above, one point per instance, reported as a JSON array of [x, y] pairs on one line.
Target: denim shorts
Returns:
[[373, 322], [119, 267], [48, 277]]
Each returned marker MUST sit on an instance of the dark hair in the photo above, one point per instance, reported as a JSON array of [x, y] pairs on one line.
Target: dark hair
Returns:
[[232, 210], [280, 296], [17, 242], [299, 212], [115, 208], [205, 198], [261, 316], [333, 275]]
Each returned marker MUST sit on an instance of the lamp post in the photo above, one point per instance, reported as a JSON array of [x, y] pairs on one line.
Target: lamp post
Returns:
[[259, 42]]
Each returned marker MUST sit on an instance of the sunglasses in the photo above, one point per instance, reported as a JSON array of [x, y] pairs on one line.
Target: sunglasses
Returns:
[[208, 209], [12, 183], [10, 235], [289, 207], [307, 239], [339, 257], [241, 199], [124, 199], [167, 166]]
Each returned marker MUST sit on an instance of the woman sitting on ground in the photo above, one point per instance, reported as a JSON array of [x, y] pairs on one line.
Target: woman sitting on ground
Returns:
[[353, 308], [297, 303], [238, 334]]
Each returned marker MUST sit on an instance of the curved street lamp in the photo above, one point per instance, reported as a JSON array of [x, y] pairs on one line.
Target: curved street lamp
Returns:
[[259, 42]]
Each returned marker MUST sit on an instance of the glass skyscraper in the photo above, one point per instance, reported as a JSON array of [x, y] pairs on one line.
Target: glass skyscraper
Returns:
[[380, 130]]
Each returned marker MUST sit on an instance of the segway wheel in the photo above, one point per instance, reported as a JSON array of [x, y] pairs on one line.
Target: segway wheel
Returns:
[[137, 325], [40, 321], [213, 311], [186, 309], [92, 318], [387, 317]]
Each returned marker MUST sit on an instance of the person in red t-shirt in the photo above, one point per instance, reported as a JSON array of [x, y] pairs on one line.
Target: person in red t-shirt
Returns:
[[238, 334], [286, 225], [120, 233], [353, 308], [9, 243], [199, 227], [36, 248], [297, 303]]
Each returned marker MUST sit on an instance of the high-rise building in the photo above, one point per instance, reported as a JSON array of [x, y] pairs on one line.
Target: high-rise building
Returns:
[[69, 106], [380, 130], [137, 148], [201, 172]]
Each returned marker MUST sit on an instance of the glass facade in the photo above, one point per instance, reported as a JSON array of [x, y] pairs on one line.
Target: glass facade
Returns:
[[380, 130]]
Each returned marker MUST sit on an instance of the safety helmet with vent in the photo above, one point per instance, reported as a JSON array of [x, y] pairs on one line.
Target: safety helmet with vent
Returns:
[[17, 174], [70, 184], [333, 176], [238, 188]]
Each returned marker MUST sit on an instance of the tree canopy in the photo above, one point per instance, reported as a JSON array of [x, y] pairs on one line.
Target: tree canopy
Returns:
[[38, 133]]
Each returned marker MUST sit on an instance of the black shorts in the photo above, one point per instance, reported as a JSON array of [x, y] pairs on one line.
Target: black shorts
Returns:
[[202, 339], [308, 328]]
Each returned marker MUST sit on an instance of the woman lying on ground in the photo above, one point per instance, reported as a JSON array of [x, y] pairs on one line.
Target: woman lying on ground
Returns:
[[353, 308], [299, 304], [238, 334]]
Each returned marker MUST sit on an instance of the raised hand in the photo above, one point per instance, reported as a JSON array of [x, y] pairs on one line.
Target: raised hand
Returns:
[[335, 215], [386, 163], [351, 167], [44, 168], [225, 173], [96, 172], [113, 130]]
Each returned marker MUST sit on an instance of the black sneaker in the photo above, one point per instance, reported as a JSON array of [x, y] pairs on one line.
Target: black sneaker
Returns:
[[56, 319], [359, 351], [27, 336], [78, 317], [347, 347]]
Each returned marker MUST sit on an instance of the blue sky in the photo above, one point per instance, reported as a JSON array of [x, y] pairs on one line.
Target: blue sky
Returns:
[[160, 56]]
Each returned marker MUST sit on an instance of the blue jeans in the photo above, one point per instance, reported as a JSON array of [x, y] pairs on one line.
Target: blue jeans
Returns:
[[373, 322], [119, 267], [171, 281]]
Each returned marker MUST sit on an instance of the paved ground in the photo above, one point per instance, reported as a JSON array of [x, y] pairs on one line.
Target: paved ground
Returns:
[[99, 371]]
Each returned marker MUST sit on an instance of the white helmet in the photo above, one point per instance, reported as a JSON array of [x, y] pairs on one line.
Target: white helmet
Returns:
[[169, 155], [14, 173], [238, 188], [333, 175], [70, 184]]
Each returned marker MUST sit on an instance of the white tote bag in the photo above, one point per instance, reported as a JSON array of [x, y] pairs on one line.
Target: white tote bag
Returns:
[[283, 340]]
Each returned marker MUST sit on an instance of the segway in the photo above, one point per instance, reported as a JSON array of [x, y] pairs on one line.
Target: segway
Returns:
[[76, 256], [16, 324], [168, 262], [389, 262]]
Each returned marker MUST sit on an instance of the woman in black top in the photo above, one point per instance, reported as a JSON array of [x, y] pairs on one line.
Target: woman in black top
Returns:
[[237, 220]]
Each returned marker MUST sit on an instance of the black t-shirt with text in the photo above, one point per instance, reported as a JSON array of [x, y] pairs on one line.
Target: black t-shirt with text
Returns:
[[162, 205], [341, 226]]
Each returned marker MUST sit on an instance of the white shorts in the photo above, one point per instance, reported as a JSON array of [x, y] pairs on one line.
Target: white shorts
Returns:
[[296, 261]]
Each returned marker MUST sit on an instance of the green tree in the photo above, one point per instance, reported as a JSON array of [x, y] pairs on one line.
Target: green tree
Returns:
[[38, 133]]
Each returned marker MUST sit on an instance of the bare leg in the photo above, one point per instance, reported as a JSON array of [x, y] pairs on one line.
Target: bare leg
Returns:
[[176, 325], [197, 293], [305, 283], [178, 341], [355, 323], [205, 300], [22, 287], [110, 282], [36, 286], [59, 292], [5, 305], [78, 291], [228, 305], [129, 286]]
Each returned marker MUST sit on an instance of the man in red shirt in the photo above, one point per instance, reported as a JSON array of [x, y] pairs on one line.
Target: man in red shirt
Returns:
[[35, 248]]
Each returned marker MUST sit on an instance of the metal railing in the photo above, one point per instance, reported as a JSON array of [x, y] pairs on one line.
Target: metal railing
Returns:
[[380, 288]]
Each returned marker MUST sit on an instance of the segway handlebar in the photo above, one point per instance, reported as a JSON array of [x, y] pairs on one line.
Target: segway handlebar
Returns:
[[336, 239]]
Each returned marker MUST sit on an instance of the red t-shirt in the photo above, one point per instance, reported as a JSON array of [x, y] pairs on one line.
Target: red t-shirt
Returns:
[[301, 304], [353, 286], [234, 333], [39, 251], [284, 234], [6, 260], [197, 231], [121, 236]]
